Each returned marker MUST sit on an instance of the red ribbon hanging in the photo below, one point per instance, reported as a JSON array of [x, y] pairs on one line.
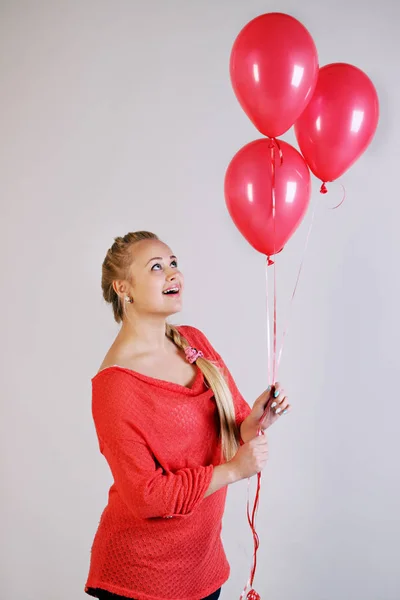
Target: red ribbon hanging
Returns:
[[251, 518], [252, 594]]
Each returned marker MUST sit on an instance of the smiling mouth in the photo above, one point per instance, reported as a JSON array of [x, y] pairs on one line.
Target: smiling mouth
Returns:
[[172, 291]]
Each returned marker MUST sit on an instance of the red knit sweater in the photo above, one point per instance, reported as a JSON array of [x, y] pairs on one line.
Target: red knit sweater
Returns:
[[158, 537]]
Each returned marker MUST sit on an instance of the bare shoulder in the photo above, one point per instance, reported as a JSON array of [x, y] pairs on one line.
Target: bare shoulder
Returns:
[[108, 362], [115, 356]]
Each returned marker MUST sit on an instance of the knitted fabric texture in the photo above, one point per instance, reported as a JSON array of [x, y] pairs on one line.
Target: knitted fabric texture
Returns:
[[158, 537]]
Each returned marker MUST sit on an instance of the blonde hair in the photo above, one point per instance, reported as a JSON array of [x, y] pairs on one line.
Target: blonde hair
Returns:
[[116, 265]]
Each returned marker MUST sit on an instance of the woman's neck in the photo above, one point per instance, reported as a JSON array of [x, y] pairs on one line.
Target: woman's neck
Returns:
[[146, 334]]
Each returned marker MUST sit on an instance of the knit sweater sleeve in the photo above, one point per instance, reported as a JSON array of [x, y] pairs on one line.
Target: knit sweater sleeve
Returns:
[[147, 489]]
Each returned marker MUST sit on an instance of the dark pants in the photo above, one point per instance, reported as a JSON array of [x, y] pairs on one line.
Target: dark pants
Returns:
[[103, 595]]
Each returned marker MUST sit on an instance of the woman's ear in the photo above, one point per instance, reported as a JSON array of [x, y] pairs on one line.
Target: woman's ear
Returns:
[[120, 288]]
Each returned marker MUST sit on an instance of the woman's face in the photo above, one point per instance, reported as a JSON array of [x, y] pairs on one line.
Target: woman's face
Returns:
[[157, 283]]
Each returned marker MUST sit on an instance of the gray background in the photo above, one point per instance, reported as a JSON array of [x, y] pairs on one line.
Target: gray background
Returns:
[[117, 116]]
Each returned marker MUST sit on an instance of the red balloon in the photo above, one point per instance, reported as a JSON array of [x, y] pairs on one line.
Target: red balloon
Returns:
[[274, 70], [248, 194], [339, 122]]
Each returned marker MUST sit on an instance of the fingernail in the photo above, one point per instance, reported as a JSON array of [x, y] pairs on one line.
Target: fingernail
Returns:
[[269, 388], [278, 410], [285, 411], [276, 393], [273, 404]]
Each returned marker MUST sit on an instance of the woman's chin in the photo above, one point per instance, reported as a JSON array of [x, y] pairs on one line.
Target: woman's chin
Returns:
[[175, 307], [176, 310]]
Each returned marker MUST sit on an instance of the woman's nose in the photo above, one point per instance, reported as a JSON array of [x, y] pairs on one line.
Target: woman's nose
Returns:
[[171, 274]]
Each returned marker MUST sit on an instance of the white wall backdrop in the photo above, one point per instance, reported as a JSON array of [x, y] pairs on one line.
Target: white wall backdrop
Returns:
[[117, 116]]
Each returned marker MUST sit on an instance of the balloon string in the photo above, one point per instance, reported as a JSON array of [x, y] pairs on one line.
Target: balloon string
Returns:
[[274, 369], [268, 327], [324, 190], [285, 330], [273, 145], [343, 198], [272, 363], [251, 518]]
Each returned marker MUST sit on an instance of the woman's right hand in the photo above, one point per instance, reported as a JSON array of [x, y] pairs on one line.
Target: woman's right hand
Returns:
[[251, 458]]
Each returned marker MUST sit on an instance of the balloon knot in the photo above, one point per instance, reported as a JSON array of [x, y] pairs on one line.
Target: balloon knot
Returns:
[[253, 595], [323, 189], [275, 145], [269, 261]]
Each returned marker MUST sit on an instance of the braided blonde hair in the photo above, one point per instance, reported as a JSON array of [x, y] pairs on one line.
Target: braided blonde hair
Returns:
[[116, 265]]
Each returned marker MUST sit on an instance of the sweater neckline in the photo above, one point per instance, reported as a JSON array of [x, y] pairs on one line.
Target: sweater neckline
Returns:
[[195, 387]]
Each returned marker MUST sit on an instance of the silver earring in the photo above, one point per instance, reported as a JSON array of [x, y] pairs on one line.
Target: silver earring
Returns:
[[128, 299]]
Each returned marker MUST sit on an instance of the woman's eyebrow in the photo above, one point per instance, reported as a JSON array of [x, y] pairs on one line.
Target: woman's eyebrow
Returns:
[[159, 258]]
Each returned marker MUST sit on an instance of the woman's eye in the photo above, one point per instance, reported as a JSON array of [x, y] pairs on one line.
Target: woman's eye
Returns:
[[157, 266]]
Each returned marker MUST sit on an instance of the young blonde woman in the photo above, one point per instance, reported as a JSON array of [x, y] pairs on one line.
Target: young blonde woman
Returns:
[[175, 432]]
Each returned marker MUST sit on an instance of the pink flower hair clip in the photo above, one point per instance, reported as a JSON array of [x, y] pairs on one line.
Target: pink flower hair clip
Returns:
[[192, 354]]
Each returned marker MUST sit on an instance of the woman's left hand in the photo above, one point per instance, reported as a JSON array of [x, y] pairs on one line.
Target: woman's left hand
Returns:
[[272, 403]]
